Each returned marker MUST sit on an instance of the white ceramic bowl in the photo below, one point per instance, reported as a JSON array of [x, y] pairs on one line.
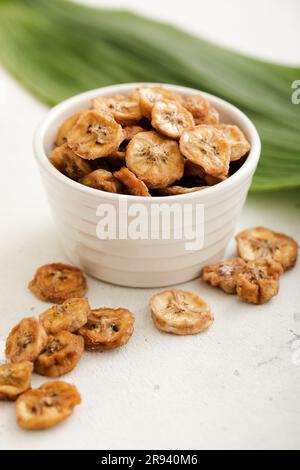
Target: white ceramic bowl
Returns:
[[141, 263]]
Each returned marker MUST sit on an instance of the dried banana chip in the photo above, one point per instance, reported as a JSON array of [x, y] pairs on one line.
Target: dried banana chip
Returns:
[[261, 242], [173, 190], [135, 186], [131, 131], [102, 179], [107, 328], [202, 111], [224, 274], [125, 110], [60, 355], [180, 312], [171, 118], [95, 135], [14, 379], [206, 146], [25, 341], [62, 133], [258, 283], [149, 95], [69, 316], [154, 159], [65, 161], [47, 405], [239, 145], [212, 180], [58, 282]]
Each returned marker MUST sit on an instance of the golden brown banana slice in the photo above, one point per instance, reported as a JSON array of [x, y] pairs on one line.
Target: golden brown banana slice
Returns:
[[134, 186], [180, 312], [107, 328], [65, 161], [154, 159], [64, 129], [193, 170], [102, 179], [47, 405], [95, 135], [224, 274], [131, 131], [202, 111], [207, 147], [58, 282], [61, 354], [261, 242], [25, 341], [69, 316], [258, 283], [149, 95], [14, 379], [239, 145], [125, 110], [174, 190], [171, 118]]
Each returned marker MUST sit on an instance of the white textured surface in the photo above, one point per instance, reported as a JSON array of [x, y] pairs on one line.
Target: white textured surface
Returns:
[[236, 386]]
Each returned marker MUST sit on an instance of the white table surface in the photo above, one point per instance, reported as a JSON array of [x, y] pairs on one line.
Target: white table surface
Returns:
[[235, 386]]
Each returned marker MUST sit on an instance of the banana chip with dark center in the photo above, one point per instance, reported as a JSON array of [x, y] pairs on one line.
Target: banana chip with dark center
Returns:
[[15, 379]]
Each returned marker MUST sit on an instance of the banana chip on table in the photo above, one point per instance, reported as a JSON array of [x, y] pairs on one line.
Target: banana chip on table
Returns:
[[25, 341], [207, 147], [140, 131], [71, 315], [15, 379], [107, 328], [254, 282], [180, 312], [134, 186], [68, 163], [149, 95], [224, 274], [125, 110], [154, 159], [47, 405], [96, 134], [60, 355], [64, 129], [171, 118], [193, 170], [259, 282], [239, 145], [58, 282], [102, 179], [202, 111], [261, 242], [131, 131]]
